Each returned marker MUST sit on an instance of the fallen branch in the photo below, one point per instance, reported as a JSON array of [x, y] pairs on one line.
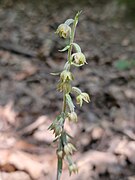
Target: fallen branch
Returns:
[[17, 49]]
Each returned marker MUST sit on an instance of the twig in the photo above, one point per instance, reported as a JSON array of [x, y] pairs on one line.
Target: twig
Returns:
[[17, 49]]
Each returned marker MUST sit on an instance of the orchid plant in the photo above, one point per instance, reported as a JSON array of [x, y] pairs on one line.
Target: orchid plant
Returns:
[[65, 149]]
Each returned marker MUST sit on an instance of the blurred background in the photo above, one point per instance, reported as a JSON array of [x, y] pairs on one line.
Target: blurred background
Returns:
[[29, 102]]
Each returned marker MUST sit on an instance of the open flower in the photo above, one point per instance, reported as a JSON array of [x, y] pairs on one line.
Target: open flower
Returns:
[[72, 116], [63, 30], [73, 168], [79, 58], [69, 148], [82, 97], [66, 76]]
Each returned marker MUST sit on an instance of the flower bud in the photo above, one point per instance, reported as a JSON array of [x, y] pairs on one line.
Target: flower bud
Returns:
[[73, 168], [57, 130], [72, 116], [60, 153], [64, 87], [56, 127], [69, 148], [66, 76], [79, 58], [63, 30]]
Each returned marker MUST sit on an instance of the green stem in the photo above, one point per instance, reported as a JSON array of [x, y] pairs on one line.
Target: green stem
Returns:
[[60, 160], [59, 168], [64, 103], [72, 37]]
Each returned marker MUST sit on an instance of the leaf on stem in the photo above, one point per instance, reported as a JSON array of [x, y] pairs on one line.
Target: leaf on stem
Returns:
[[69, 21], [70, 102], [65, 48], [76, 90], [55, 74], [77, 16], [77, 47], [69, 135]]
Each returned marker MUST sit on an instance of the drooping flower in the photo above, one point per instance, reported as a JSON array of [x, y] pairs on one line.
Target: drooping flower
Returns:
[[72, 116], [69, 148], [73, 168], [79, 58], [63, 30], [64, 87], [82, 97], [66, 76]]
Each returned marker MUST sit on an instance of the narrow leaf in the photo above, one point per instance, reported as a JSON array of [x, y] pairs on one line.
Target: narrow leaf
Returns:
[[69, 135], [76, 90], [77, 17], [55, 139], [67, 66], [70, 102], [69, 21], [77, 47], [65, 48], [55, 74]]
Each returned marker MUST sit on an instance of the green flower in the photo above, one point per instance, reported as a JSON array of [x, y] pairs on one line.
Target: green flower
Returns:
[[57, 129], [63, 30], [82, 97], [66, 76], [64, 87], [69, 148], [56, 126], [73, 168], [79, 58], [72, 116]]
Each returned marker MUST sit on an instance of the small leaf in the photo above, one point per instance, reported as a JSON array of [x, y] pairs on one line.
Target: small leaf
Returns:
[[69, 135], [65, 48], [67, 66], [55, 74], [69, 21], [76, 90], [77, 17], [70, 102], [78, 14], [77, 47], [55, 139]]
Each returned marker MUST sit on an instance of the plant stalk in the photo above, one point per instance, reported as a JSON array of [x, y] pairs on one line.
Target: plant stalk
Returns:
[[60, 160], [72, 38]]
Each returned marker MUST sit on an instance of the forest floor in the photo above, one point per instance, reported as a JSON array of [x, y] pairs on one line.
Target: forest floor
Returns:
[[29, 102]]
